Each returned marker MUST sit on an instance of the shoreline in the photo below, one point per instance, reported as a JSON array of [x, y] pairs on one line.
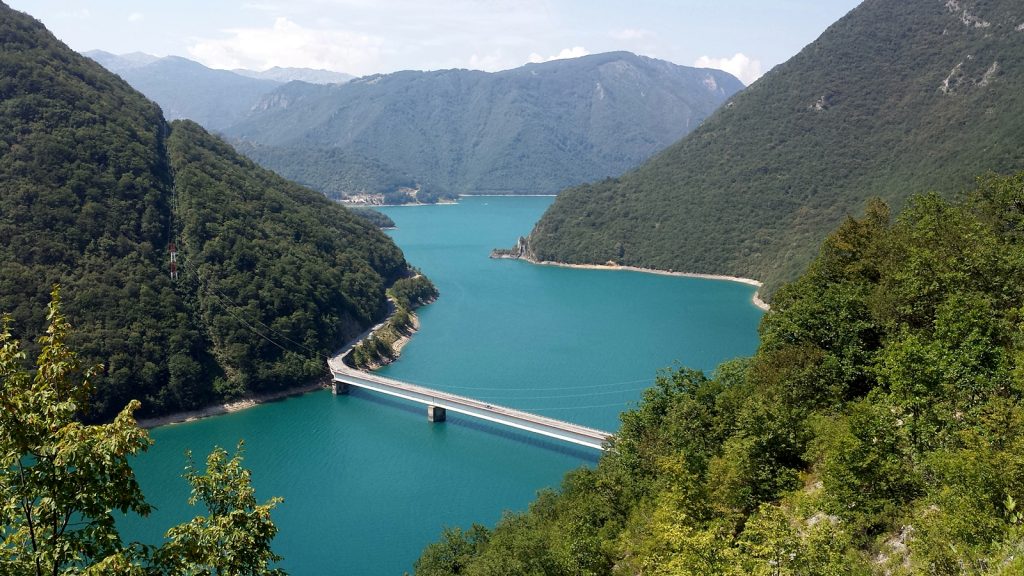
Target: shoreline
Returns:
[[405, 338], [371, 206], [255, 400], [321, 384], [507, 195], [757, 301], [229, 407], [396, 346]]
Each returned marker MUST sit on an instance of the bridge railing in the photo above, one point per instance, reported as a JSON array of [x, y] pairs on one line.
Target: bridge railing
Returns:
[[440, 395]]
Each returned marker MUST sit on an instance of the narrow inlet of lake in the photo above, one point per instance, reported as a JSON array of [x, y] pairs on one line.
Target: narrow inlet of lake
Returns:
[[368, 482]]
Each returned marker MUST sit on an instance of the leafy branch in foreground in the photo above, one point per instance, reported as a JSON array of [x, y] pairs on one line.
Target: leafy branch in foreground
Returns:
[[235, 537], [61, 480]]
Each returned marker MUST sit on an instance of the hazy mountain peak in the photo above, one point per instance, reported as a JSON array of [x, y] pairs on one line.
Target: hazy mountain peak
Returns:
[[118, 62], [309, 75]]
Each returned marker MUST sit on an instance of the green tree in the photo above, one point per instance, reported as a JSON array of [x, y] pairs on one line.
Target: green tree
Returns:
[[453, 553], [61, 480], [234, 539]]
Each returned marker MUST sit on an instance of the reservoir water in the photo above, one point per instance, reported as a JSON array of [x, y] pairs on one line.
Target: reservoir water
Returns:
[[367, 482]]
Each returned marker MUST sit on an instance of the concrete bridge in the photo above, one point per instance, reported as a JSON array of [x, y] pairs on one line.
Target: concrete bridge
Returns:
[[438, 403]]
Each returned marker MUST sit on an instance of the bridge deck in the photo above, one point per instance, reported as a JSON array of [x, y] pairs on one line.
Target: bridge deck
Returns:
[[535, 423]]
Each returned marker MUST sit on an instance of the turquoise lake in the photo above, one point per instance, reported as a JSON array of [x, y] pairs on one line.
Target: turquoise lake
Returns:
[[367, 481]]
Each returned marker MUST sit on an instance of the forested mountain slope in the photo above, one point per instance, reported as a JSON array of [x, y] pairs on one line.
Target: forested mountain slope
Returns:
[[899, 96], [263, 252], [335, 172], [879, 429], [534, 129], [94, 185]]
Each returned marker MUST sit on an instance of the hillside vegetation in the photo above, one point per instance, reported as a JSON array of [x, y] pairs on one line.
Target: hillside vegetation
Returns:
[[379, 348], [898, 97], [337, 173], [282, 274], [879, 429], [377, 218], [94, 186], [534, 129]]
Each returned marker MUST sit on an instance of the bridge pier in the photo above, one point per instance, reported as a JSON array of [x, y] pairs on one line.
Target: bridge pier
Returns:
[[436, 414], [339, 388]]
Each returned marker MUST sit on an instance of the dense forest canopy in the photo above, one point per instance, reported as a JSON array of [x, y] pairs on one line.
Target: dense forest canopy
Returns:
[[879, 428], [897, 97], [335, 172], [95, 186], [375, 217], [268, 257]]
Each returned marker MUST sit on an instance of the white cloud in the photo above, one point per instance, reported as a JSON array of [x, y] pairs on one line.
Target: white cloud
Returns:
[[135, 17], [287, 43], [574, 52], [740, 66]]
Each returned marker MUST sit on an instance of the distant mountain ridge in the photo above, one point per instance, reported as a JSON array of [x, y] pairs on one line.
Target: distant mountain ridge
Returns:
[[289, 74], [533, 129], [186, 89], [897, 97], [118, 62]]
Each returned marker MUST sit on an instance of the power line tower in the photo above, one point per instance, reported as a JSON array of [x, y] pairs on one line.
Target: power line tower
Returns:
[[174, 260]]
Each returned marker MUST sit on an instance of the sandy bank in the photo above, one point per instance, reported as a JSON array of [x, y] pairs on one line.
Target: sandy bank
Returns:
[[749, 281]]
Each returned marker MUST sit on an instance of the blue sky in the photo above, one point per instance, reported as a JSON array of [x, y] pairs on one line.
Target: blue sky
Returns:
[[745, 37]]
